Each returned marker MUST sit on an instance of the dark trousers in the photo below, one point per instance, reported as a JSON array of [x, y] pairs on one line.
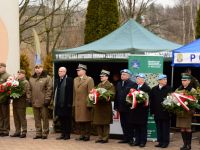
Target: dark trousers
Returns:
[[65, 125], [140, 133], [4, 118], [126, 127], [163, 130], [85, 128]]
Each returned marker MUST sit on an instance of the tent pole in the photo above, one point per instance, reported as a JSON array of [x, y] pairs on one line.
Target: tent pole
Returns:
[[172, 78]]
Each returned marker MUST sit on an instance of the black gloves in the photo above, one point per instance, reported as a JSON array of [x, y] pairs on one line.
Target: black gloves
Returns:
[[46, 103], [29, 103]]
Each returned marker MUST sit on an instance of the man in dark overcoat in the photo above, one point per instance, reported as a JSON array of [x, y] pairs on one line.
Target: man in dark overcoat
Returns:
[[161, 116], [63, 97], [139, 115], [122, 89]]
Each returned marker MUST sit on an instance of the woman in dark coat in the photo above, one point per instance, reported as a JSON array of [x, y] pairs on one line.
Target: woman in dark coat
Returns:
[[161, 116], [139, 114], [63, 102], [184, 120]]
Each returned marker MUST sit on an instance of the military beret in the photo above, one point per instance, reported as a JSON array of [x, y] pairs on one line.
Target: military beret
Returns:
[[126, 71], [162, 76]]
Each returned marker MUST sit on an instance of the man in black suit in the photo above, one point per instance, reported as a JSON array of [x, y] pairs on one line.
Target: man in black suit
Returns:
[[139, 115], [161, 116], [122, 89], [63, 102]]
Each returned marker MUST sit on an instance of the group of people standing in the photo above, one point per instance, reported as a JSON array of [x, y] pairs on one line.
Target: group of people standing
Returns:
[[37, 92], [134, 121], [72, 94]]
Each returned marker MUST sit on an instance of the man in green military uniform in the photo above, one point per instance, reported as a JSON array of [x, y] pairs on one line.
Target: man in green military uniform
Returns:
[[82, 86], [4, 104], [19, 108], [40, 93], [102, 113]]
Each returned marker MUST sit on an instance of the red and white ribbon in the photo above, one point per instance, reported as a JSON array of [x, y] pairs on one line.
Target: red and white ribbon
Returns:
[[182, 98], [133, 93], [95, 93]]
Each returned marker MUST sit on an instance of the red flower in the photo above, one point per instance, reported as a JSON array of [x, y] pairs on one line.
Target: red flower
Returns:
[[8, 84], [9, 92]]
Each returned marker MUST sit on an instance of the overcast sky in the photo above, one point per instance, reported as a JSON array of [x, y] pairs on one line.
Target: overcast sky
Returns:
[[166, 2], [162, 2]]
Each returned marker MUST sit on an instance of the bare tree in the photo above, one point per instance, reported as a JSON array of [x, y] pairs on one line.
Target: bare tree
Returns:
[[48, 17], [133, 8]]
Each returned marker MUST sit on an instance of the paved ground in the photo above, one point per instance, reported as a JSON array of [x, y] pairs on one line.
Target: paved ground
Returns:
[[8, 143]]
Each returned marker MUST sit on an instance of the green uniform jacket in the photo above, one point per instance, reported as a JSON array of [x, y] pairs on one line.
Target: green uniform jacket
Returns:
[[21, 102], [40, 89], [3, 78], [102, 111]]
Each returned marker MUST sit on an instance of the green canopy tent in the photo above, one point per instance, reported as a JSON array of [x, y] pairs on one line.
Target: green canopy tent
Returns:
[[111, 52], [130, 38]]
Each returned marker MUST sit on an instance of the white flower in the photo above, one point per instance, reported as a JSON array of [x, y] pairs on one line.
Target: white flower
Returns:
[[101, 90], [15, 83], [141, 92], [186, 103], [140, 95], [136, 92], [91, 97], [178, 104]]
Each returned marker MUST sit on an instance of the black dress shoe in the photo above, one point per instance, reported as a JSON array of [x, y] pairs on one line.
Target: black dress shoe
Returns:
[[22, 135], [37, 137], [123, 141], [66, 138], [86, 139], [136, 144], [15, 135], [81, 138], [60, 138], [164, 145], [131, 142], [104, 141], [98, 141], [4, 134], [142, 145], [158, 145], [44, 137]]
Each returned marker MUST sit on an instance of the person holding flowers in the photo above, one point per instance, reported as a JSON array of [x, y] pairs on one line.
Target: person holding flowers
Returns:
[[19, 106], [4, 103], [184, 118], [161, 115], [120, 104], [139, 113], [102, 110]]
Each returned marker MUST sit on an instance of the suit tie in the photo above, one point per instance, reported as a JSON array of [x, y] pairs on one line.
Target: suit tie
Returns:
[[122, 83]]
